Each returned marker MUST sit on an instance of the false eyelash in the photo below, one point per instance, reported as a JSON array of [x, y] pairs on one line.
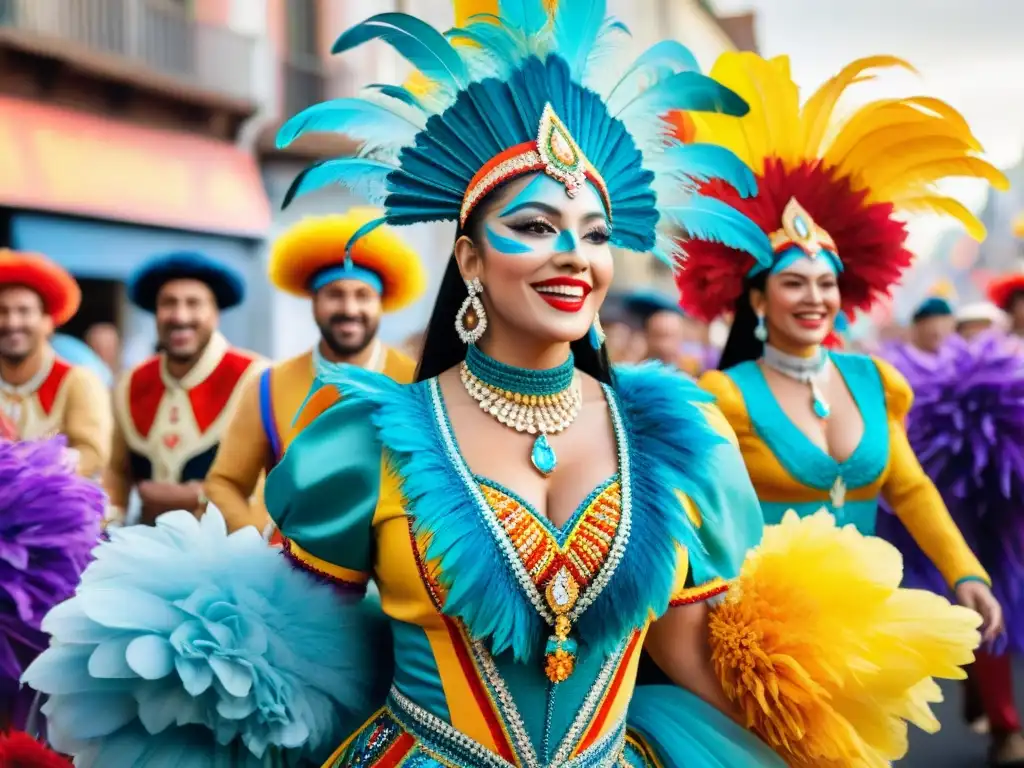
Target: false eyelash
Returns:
[[524, 226]]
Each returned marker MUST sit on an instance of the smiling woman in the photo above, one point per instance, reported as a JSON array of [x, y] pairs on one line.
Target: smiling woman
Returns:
[[532, 519], [819, 428]]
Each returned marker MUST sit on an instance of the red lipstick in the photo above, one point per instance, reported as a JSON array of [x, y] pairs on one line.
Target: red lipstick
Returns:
[[566, 294]]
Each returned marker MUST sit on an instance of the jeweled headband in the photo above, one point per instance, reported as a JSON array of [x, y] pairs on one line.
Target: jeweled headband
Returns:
[[799, 238], [515, 93], [554, 151]]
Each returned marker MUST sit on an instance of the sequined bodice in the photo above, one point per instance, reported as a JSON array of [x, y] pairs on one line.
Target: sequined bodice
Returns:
[[526, 718]]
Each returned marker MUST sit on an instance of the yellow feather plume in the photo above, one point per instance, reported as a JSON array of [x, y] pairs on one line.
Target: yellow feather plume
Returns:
[[816, 116], [922, 176], [826, 656], [944, 206], [897, 149], [467, 9]]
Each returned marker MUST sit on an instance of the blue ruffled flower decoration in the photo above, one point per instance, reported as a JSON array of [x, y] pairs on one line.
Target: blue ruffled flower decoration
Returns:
[[187, 646]]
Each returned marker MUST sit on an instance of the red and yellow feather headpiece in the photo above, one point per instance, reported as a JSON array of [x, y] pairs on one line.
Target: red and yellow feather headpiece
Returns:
[[317, 245], [856, 177]]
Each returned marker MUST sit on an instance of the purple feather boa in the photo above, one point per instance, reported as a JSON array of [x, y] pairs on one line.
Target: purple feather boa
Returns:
[[49, 523], [967, 429]]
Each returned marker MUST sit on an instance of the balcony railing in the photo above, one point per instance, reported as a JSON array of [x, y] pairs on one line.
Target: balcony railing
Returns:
[[158, 34]]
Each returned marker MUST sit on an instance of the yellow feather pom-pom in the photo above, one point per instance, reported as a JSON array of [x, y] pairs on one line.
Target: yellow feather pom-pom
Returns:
[[825, 655]]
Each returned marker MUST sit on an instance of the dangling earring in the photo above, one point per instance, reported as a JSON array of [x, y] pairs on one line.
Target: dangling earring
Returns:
[[596, 335], [761, 331], [471, 321]]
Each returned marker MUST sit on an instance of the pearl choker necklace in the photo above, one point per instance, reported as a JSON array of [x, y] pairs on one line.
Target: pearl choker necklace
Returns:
[[811, 370]]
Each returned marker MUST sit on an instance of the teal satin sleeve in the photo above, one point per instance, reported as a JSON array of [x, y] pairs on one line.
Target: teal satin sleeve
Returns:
[[726, 495], [323, 493]]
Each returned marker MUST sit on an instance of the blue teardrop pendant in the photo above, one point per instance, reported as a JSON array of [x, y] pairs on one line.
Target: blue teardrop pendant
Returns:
[[821, 409], [543, 456]]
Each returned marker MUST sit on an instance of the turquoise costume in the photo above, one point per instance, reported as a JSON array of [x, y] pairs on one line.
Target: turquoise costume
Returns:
[[466, 612], [790, 472]]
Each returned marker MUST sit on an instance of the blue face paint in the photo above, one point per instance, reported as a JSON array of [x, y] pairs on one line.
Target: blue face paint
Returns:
[[792, 255], [567, 242], [536, 191], [505, 245]]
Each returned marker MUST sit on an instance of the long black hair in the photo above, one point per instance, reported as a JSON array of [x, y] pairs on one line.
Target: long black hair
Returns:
[[742, 344], [442, 347]]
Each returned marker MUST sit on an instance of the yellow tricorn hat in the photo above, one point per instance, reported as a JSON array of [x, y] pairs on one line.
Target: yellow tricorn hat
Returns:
[[313, 253]]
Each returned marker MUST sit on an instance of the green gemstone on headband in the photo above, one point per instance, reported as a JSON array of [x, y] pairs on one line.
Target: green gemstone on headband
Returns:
[[520, 381]]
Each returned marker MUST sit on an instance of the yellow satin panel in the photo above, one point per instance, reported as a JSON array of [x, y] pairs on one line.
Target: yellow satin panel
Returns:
[[404, 597], [620, 702]]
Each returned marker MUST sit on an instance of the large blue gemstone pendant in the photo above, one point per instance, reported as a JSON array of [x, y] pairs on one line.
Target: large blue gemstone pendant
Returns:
[[543, 456], [821, 409]]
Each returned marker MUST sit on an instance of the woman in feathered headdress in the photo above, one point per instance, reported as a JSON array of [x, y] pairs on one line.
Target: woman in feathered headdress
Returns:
[[530, 519], [818, 427]]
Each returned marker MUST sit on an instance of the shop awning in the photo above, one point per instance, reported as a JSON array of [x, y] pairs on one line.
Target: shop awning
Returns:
[[62, 161]]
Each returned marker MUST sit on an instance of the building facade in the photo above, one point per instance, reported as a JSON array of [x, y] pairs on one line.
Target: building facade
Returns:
[[119, 123]]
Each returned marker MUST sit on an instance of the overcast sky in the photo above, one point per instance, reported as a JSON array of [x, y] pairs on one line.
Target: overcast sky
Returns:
[[968, 52]]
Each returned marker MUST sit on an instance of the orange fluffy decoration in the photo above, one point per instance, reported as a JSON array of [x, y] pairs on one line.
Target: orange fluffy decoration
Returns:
[[56, 287], [19, 750]]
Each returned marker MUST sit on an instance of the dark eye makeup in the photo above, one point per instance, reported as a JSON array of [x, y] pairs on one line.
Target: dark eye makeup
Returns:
[[536, 226]]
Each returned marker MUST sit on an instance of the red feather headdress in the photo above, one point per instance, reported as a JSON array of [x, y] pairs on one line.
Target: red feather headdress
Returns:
[[854, 177]]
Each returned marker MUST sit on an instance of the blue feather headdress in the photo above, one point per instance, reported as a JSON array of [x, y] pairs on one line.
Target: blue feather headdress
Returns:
[[522, 92]]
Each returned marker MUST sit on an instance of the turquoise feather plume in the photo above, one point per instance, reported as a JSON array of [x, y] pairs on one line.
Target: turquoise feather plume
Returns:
[[361, 176], [528, 16], [690, 163], [657, 62], [416, 41], [707, 218], [399, 93], [355, 117], [183, 629], [490, 90], [686, 91], [578, 25]]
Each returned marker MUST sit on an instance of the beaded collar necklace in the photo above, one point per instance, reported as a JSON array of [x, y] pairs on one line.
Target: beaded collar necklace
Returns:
[[539, 403], [811, 370]]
